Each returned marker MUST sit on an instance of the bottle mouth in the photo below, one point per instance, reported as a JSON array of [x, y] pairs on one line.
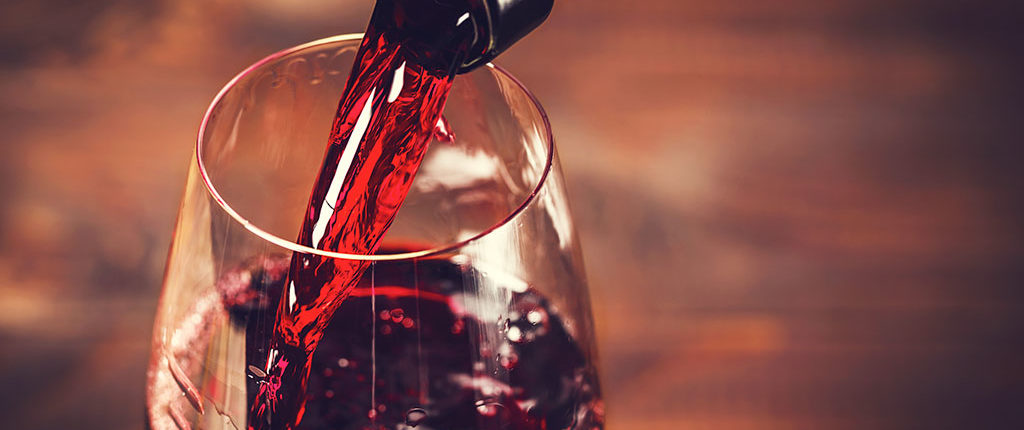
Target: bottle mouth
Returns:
[[263, 234], [483, 46], [498, 24]]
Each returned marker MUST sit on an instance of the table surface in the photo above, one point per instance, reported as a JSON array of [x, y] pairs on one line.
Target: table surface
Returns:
[[795, 215]]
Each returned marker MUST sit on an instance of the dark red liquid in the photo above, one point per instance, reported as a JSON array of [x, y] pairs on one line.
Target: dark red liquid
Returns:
[[417, 344], [388, 113]]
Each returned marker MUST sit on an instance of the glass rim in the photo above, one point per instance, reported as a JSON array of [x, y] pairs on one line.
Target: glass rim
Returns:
[[295, 247]]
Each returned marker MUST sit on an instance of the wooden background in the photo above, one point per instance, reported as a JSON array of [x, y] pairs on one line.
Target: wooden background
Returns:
[[795, 214]]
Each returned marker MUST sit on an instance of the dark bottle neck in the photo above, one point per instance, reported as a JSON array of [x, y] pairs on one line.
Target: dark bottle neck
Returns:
[[463, 33], [499, 24]]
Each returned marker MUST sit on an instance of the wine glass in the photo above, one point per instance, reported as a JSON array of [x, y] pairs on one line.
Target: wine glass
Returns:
[[473, 315]]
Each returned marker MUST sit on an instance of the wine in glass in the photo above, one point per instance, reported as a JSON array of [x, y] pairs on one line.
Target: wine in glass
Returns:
[[474, 314]]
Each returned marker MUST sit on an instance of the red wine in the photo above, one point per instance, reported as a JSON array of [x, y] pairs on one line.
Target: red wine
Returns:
[[388, 112], [404, 351]]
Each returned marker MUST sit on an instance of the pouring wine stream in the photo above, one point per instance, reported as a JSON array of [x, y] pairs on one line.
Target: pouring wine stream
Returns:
[[390, 109]]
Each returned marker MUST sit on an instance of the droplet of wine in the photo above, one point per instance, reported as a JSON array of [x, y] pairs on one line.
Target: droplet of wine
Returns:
[[415, 416], [488, 408], [257, 372], [443, 131], [397, 314]]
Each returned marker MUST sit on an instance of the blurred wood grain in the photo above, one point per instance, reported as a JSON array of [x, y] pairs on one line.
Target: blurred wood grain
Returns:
[[795, 214]]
